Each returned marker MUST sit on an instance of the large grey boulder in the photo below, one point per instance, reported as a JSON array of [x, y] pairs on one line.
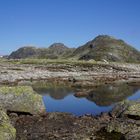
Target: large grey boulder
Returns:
[[21, 99]]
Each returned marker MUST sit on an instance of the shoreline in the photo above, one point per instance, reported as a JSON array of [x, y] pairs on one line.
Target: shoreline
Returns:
[[74, 73], [121, 123]]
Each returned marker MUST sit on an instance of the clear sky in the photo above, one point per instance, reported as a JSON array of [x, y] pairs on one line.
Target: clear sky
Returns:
[[73, 22]]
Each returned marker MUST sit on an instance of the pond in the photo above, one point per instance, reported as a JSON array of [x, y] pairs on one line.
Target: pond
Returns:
[[85, 101]]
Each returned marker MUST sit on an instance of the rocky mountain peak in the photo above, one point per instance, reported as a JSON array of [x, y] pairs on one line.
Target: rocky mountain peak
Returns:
[[58, 46]]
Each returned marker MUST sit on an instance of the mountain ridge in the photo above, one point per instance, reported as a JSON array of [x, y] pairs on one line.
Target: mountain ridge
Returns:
[[101, 48], [107, 48], [52, 52]]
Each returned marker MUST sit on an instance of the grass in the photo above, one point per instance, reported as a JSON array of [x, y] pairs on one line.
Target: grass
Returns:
[[50, 61], [70, 62]]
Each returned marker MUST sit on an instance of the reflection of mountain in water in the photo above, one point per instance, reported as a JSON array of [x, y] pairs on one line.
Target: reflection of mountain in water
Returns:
[[56, 93], [109, 94], [104, 95]]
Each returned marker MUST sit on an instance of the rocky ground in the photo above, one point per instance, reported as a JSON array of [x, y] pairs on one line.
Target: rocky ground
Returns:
[[123, 123], [25, 110], [77, 73]]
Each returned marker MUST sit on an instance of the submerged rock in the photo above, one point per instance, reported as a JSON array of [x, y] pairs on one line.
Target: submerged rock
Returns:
[[7, 131], [21, 99]]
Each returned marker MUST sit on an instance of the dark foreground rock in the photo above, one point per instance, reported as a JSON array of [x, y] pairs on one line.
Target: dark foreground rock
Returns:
[[58, 126], [126, 120], [123, 123]]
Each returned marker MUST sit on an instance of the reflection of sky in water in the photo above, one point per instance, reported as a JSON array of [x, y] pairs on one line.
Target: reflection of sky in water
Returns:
[[135, 96], [79, 106], [71, 104]]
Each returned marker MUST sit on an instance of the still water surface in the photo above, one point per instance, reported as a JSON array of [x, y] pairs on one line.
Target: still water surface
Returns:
[[97, 100]]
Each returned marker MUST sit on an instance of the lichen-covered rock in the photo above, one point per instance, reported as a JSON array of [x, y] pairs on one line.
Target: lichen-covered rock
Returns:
[[126, 120], [129, 128], [7, 131], [127, 108], [120, 125], [21, 99], [133, 108]]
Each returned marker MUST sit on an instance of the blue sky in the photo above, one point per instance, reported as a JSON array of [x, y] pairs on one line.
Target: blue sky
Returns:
[[73, 22]]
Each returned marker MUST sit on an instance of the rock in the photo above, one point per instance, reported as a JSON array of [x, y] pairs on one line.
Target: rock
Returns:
[[20, 99], [107, 49], [24, 83], [77, 74], [54, 51], [55, 126], [7, 131], [124, 126], [103, 135], [71, 79], [126, 120], [133, 108], [127, 108], [80, 94], [116, 125]]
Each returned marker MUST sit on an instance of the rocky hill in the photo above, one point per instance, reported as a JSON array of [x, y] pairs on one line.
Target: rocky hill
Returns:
[[102, 48], [54, 51], [106, 48], [24, 52]]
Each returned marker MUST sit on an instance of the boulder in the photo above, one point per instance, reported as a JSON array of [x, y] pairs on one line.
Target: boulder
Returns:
[[126, 120], [21, 99], [127, 109]]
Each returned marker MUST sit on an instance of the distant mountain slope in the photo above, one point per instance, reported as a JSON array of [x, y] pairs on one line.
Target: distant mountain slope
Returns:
[[106, 48], [55, 51], [24, 52], [102, 48]]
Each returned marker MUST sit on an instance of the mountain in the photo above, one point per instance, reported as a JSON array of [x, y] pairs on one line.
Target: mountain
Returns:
[[102, 48], [107, 48], [24, 52], [54, 51]]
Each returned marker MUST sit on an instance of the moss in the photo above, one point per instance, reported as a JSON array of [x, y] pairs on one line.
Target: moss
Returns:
[[7, 131], [133, 108], [22, 99], [17, 90]]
